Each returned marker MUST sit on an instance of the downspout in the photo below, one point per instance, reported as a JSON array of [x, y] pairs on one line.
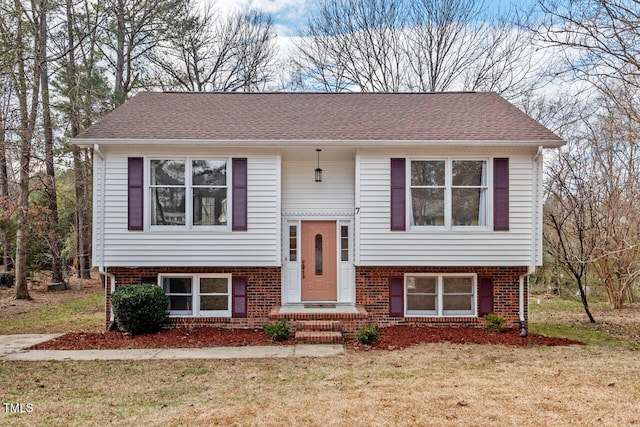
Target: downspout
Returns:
[[101, 183], [109, 279], [534, 228]]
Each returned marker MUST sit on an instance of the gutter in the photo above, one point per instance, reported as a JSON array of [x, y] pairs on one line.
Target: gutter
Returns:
[[534, 224], [283, 143], [109, 279], [101, 229]]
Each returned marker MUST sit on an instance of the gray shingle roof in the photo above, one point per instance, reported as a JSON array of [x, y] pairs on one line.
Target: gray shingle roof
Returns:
[[452, 116]]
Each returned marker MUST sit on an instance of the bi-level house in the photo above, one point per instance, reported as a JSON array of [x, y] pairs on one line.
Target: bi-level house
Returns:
[[417, 208]]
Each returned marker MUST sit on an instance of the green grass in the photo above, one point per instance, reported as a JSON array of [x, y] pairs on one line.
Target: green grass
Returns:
[[563, 305], [85, 313], [565, 318], [585, 334]]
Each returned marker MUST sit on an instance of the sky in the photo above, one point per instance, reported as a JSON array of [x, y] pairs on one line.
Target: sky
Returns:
[[290, 15]]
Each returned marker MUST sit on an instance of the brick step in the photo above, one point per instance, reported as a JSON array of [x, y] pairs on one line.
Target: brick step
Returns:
[[319, 337], [319, 325]]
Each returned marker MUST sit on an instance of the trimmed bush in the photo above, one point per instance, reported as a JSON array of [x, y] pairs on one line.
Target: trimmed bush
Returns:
[[494, 323], [139, 309], [368, 334], [278, 331]]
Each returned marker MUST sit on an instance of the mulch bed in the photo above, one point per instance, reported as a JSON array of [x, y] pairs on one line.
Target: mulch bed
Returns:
[[399, 337], [393, 338]]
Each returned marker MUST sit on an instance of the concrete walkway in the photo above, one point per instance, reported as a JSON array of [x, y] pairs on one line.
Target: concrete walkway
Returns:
[[11, 349]]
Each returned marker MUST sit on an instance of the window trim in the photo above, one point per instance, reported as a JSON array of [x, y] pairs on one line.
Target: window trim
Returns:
[[195, 294], [448, 194], [439, 296], [189, 187]]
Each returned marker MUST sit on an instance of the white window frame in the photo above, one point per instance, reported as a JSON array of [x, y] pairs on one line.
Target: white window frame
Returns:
[[448, 195], [340, 238], [439, 311], [188, 194], [195, 295]]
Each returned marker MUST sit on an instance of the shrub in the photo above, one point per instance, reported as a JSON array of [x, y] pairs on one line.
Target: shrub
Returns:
[[139, 308], [494, 323], [278, 331], [368, 334]]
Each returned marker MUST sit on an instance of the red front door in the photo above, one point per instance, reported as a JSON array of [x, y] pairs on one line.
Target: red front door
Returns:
[[319, 261]]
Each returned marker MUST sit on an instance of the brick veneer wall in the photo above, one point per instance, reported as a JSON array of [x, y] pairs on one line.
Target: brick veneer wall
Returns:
[[372, 292], [263, 291]]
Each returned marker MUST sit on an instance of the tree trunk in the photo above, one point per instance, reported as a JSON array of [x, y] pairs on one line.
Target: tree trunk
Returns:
[[28, 114], [585, 303], [22, 292], [81, 209], [55, 240], [120, 91], [4, 194]]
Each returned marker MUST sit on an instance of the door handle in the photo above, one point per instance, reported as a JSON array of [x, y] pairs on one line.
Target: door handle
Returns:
[[303, 269]]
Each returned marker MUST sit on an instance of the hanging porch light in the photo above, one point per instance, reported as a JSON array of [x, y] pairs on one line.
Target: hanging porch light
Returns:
[[318, 170]]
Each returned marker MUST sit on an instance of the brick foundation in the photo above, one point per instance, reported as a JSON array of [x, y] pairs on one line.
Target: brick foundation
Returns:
[[372, 295], [263, 292], [372, 292]]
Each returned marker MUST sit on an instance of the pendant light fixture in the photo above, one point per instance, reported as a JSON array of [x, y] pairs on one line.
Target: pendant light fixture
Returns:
[[318, 170]]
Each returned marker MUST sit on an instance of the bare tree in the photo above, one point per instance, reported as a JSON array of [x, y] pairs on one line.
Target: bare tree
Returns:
[[134, 28], [355, 44], [54, 236], [84, 96], [426, 45], [444, 38], [19, 36], [592, 222], [570, 220], [614, 143], [205, 51], [602, 36], [598, 42], [5, 222]]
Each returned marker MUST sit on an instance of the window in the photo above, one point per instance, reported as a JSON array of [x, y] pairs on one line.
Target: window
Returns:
[[198, 295], [293, 243], [188, 192], [344, 243], [448, 193], [440, 295], [318, 249]]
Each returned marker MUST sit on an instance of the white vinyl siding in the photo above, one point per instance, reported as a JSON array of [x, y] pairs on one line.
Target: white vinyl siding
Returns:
[[302, 196], [378, 245], [258, 246]]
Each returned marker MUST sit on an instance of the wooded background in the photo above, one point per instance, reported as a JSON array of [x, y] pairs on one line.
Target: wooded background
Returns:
[[574, 65]]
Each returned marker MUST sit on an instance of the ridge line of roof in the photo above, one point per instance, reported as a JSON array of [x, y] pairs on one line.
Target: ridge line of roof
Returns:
[[317, 93]]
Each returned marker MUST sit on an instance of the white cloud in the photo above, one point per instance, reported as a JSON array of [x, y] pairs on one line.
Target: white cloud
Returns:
[[287, 14]]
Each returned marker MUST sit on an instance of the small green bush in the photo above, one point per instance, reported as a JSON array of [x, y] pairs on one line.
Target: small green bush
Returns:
[[494, 323], [368, 334], [139, 309], [278, 331]]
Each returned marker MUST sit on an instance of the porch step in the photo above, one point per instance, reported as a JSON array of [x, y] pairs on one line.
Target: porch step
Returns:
[[319, 332]]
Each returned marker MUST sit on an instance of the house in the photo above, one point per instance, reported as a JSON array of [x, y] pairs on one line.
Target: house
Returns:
[[417, 208]]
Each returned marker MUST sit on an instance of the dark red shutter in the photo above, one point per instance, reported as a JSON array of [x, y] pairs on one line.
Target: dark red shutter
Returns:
[[396, 297], [501, 194], [239, 297], [135, 194], [398, 194], [485, 296], [239, 196]]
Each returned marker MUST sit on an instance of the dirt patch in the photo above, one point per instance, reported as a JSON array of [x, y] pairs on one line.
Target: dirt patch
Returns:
[[393, 338], [40, 296]]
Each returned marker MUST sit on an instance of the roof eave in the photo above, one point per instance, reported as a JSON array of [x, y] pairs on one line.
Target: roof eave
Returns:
[[89, 142]]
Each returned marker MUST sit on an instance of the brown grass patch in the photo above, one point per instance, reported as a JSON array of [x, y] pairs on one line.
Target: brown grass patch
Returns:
[[428, 384]]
